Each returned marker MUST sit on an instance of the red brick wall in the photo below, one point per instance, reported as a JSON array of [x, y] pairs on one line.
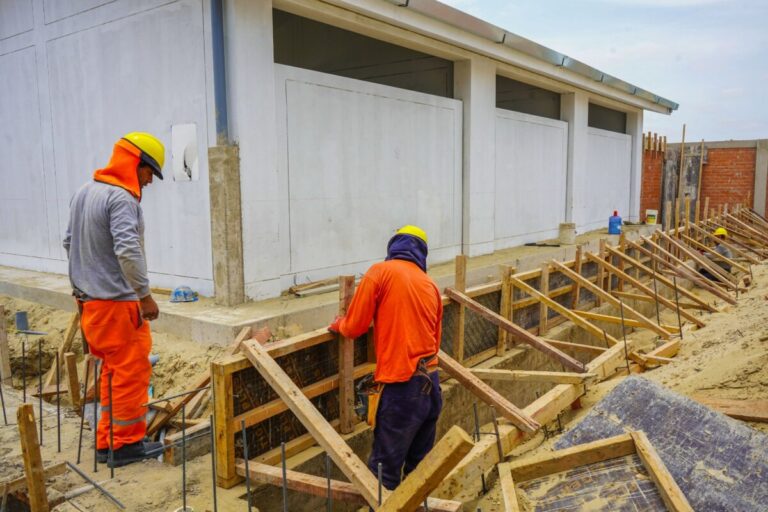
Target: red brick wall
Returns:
[[650, 189], [729, 176]]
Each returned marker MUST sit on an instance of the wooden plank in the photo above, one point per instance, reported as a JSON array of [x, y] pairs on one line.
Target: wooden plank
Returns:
[[591, 315], [577, 284], [278, 406], [73, 381], [318, 486], [162, 417], [460, 284], [66, 345], [505, 309], [515, 330], [486, 393], [570, 315], [441, 459], [601, 271], [5, 351], [532, 376], [338, 450], [544, 289], [670, 492], [507, 483], [569, 346], [20, 484], [346, 361], [223, 410], [575, 456], [33, 462], [683, 271], [669, 349], [640, 286], [747, 410], [645, 298], [642, 319]]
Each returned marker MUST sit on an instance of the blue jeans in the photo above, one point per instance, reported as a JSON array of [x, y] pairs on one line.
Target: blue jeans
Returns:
[[405, 427]]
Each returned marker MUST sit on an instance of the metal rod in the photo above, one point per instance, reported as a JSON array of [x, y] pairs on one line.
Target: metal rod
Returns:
[[329, 500], [2, 400], [184, 456], [379, 475], [477, 439], [111, 430], [95, 484], [247, 472], [426, 505], [95, 413], [40, 385], [213, 463], [165, 399], [82, 410], [656, 293], [498, 438], [285, 477], [624, 334], [677, 303], [24, 369], [58, 405]]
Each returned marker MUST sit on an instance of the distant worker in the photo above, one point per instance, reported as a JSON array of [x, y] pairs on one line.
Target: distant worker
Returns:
[[405, 305], [720, 234], [108, 272]]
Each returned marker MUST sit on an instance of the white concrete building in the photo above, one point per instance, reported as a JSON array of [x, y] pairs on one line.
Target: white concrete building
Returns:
[[350, 117]]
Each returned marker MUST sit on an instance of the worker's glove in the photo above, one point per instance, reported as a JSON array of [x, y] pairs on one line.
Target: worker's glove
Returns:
[[334, 327]]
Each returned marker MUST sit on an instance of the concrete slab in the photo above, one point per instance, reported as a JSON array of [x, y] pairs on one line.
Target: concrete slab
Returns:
[[214, 324], [719, 463]]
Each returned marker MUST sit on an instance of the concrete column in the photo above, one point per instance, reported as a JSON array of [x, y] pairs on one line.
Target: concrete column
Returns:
[[574, 108], [635, 129], [251, 101], [761, 176], [226, 225], [475, 85]]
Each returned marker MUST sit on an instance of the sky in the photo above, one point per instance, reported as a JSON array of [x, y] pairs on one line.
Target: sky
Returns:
[[710, 56]]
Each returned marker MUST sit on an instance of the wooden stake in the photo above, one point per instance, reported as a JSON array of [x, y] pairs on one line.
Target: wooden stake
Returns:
[[410, 494], [680, 179], [667, 215], [346, 361], [460, 284], [600, 272], [508, 493], [544, 288], [73, 381], [33, 462], [673, 497], [505, 307], [532, 376], [577, 284], [66, 345], [224, 410], [622, 248], [5, 354], [687, 215]]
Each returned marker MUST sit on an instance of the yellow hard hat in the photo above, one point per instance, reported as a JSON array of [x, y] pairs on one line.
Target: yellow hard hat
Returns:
[[721, 232], [413, 230], [152, 150]]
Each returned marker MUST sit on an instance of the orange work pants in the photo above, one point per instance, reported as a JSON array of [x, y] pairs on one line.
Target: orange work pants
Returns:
[[118, 336]]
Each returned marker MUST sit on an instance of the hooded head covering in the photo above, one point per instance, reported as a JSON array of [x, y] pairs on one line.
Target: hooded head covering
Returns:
[[121, 171], [409, 248]]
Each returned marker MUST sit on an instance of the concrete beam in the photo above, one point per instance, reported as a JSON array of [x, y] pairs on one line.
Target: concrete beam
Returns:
[[635, 129], [761, 176], [226, 225]]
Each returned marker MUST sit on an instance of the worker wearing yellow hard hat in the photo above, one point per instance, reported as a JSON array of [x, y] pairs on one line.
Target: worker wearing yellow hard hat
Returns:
[[721, 257], [403, 401], [721, 233], [108, 273]]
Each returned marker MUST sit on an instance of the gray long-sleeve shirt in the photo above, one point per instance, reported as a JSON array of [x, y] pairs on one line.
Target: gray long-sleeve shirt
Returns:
[[105, 244]]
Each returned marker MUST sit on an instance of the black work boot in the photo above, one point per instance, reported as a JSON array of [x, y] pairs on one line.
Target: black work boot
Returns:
[[135, 452], [102, 456]]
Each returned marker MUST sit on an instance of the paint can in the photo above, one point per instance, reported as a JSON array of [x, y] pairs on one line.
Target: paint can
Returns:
[[567, 234], [651, 216]]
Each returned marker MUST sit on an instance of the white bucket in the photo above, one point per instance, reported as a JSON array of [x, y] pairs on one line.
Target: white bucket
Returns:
[[567, 234], [651, 216]]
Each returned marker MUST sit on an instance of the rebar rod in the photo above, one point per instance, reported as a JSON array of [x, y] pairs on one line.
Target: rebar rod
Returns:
[[58, 405], [40, 385], [624, 334], [111, 429], [95, 484], [213, 464], [82, 410], [247, 471], [677, 304]]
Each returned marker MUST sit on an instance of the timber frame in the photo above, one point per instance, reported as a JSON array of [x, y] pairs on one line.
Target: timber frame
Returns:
[[530, 304]]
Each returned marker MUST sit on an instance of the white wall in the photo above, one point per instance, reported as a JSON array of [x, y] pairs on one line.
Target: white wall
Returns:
[[606, 186], [357, 160], [83, 74], [530, 179]]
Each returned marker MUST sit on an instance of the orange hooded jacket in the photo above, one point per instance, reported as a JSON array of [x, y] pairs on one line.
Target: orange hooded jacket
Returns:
[[121, 169]]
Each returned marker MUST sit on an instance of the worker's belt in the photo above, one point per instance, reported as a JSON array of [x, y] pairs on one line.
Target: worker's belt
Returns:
[[369, 391]]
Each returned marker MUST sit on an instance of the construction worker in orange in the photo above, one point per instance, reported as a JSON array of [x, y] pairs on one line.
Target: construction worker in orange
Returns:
[[108, 272], [405, 305]]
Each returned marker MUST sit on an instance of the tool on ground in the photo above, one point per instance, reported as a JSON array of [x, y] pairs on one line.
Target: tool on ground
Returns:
[[247, 471], [213, 464], [96, 485], [368, 396], [284, 464], [536, 244]]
